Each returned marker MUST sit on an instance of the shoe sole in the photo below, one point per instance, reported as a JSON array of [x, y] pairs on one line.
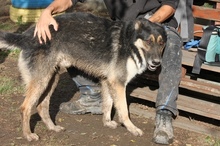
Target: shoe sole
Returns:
[[162, 138]]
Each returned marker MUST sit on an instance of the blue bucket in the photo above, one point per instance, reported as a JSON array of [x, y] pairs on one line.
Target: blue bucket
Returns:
[[31, 4]]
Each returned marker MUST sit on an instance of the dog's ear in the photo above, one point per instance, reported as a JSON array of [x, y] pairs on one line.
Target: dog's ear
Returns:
[[140, 22], [137, 24]]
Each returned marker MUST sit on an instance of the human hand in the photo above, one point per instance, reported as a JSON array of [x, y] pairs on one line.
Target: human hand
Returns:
[[42, 27]]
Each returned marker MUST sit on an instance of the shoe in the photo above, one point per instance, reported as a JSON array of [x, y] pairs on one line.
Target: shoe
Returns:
[[163, 133], [86, 104]]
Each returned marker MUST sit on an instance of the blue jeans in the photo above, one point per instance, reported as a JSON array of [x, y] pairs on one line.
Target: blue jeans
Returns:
[[170, 75]]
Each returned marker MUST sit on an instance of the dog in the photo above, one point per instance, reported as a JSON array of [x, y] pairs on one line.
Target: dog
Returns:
[[112, 51]]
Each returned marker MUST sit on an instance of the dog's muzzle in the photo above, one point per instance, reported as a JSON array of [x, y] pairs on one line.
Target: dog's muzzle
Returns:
[[152, 65]]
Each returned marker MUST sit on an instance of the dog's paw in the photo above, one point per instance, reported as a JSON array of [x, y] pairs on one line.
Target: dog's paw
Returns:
[[111, 124], [32, 137], [58, 128], [136, 131]]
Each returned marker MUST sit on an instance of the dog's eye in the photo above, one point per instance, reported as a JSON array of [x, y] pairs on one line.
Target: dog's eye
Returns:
[[149, 41], [161, 42]]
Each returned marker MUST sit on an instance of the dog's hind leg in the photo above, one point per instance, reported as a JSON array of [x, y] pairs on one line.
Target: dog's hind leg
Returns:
[[33, 92], [107, 104], [120, 103], [43, 107]]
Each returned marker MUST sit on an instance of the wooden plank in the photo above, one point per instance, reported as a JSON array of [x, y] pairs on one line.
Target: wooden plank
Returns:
[[201, 87], [198, 30], [185, 103], [206, 13], [188, 59], [180, 122], [217, 7], [217, 1]]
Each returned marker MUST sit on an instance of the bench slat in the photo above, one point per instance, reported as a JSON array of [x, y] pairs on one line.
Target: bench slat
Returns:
[[198, 30], [206, 13]]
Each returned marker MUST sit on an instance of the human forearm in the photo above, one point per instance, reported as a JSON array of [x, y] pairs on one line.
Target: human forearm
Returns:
[[162, 14], [58, 6]]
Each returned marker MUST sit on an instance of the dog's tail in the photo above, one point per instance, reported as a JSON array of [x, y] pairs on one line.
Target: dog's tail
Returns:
[[9, 41]]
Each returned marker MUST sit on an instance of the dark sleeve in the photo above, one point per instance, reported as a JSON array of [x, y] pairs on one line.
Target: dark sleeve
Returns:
[[75, 1], [133, 11], [172, 3], [124, 9]]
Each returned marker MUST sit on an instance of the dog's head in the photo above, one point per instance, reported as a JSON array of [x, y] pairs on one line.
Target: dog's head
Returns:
[[151, 38]]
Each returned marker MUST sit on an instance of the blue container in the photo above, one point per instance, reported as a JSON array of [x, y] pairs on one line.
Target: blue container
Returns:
[[31, 4]]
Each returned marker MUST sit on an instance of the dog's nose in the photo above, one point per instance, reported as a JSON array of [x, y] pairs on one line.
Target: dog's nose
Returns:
[[156, 62]]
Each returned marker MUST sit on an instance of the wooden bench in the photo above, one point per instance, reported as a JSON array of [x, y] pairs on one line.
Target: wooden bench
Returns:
[[211, 15], [204, 16], [201, 96]]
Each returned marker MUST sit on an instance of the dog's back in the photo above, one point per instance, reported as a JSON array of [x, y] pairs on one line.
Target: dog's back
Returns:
[[79, 35]]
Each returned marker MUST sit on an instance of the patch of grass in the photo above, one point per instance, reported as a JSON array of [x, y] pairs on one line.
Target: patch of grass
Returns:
[[8, 86], [5, 85], [14, 53], [3, 54], [17, 27], [212, 141], [7, 26]]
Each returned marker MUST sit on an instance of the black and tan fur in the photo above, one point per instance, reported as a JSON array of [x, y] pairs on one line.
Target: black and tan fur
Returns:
[[112, 51]]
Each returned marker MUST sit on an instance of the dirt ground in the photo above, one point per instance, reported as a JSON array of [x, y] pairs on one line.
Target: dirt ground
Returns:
[[81, 130]]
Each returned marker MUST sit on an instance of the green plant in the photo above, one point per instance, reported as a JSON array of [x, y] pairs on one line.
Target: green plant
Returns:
[[6, 85], [5, 26], [19, 20], [212, 141], [3, 54], [208, 5], [15, 53], [9, 86]]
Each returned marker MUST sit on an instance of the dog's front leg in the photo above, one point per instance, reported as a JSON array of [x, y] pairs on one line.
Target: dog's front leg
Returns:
[[122, 109], [107, 103]]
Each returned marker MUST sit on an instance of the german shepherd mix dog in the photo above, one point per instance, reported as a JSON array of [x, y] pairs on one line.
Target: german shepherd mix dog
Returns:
[[112, 51]]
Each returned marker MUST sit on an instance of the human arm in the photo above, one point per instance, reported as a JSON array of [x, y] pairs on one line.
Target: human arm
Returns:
[[162, 14], [167, 9], [46, 19]]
